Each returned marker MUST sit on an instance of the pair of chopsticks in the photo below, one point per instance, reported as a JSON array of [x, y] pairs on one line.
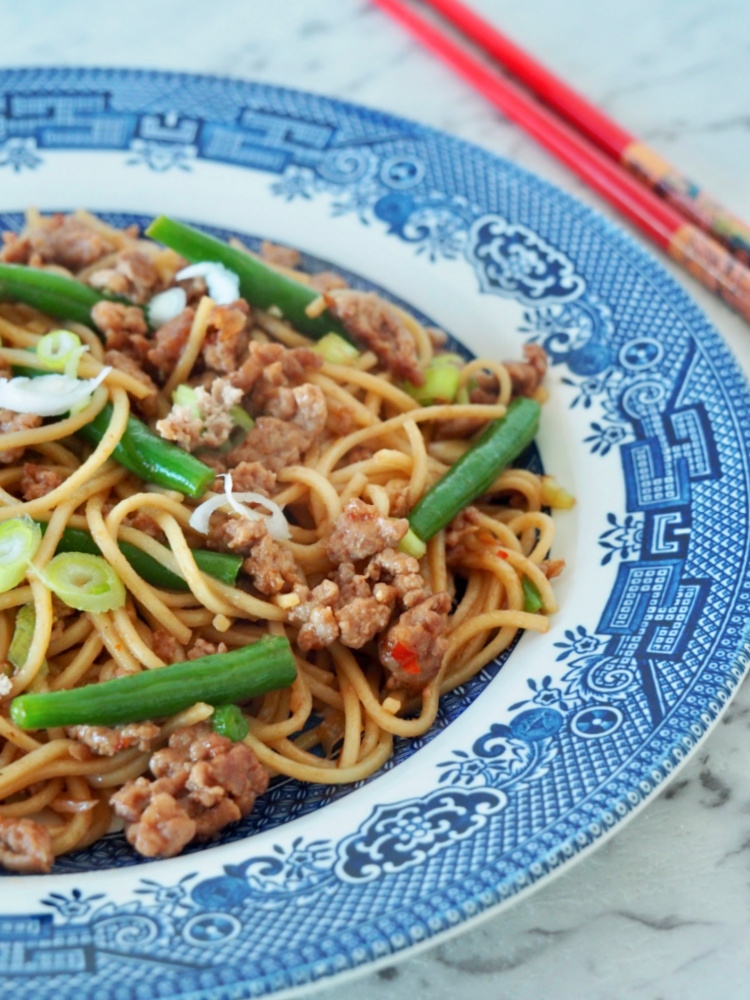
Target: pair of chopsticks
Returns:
[[694, 229]]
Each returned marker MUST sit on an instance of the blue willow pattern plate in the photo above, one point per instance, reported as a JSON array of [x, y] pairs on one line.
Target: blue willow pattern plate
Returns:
[[539, 757]]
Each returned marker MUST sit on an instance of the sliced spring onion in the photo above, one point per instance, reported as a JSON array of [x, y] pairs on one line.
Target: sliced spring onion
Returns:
[[336, 350], [278, 526], [48, 395], [555, 495], [84, 582], [412, 545], [229, 721], [440, 385], [20, 537], [185, 395], [23, 633], [223, 284], [532, 599], [165, 306], [59, 350], [241, 418]]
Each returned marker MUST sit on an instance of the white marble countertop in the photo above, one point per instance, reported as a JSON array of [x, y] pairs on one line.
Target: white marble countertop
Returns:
[[662, 910]]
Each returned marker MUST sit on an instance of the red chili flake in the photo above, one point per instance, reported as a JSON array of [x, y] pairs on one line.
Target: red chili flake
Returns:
[[502, 553], [406, 658]]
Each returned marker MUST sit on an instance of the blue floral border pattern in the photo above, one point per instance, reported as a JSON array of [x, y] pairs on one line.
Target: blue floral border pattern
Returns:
[[626, 697]]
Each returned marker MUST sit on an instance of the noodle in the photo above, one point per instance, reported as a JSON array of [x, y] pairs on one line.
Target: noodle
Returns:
[[378, 447]]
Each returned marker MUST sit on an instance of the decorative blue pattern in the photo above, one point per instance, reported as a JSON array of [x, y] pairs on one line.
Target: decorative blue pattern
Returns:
[[597, 729]]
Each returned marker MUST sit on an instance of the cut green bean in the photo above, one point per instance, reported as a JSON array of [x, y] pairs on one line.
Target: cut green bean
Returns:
[[473, 474], [150, 457], [219, 679], [260, 284], [54, 294], [222, 566]]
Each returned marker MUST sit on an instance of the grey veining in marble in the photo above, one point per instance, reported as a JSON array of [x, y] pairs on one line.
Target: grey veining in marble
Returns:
[[662, 910]]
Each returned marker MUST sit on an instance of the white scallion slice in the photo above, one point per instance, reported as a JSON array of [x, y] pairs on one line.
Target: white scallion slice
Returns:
[[60, 351], [20, 537], [48, 395], [278, 526], [85, 582], [165, 306], [223, 284]]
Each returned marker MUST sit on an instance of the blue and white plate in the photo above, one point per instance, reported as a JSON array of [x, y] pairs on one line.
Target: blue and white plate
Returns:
[[542, 756]]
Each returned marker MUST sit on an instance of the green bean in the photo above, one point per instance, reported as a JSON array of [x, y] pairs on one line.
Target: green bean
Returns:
[[150, 457], [473, 474], [260, 284], [221, 565], [54, 294], [219, 679]]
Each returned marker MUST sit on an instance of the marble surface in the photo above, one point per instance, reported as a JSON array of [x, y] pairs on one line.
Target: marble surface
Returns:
[[662, 910]]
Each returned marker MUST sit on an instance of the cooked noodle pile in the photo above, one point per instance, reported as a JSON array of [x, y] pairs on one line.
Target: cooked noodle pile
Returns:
[[343, 450]]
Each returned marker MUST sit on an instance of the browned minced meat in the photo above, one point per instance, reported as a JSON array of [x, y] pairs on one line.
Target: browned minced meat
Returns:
[[214, 423], [486, 388], [401, 571], [272, 568], [327, 281], [372, 322], [37, 481], [360, 531], [127, 364], [238, 534], [169, 342], [124, 327], [346, 608], [25, 846], [270, 366], [10, 422], [58, 239], [552, 567], [526, 376], [166, 646], [252, 477], [106, 741], [203, 781], [132, 276], [280, 255], [227, 337], [421, 629], [463, 525], [145, 523], [273, 443], [202, 647]]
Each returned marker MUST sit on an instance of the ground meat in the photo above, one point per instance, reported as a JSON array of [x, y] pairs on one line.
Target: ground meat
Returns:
[[127, 364], [282, 256], [400, 571], [143, 522], [269, 366], [372, 322], [37, 481], [238, 534], [58, 239], [346, 608], [273, 443], [552, 567], [166, 647], [106, 741], [202, 647], [213, 424], [463, 525], [15, 249], [359, 531], [272, 568], [124, 327], [527, 375], [10, 422], [327, 281], [227, 337], [132, 276], [419, 643], [169, 342], [252, 477], [203, 781], [25, 846], [486, 388]]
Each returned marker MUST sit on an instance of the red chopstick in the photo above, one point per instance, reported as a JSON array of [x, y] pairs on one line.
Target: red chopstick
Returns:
[[647, 165], [698, 253]]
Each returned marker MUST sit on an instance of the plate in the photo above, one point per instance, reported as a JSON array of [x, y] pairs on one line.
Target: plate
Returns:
[[540, 757]]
